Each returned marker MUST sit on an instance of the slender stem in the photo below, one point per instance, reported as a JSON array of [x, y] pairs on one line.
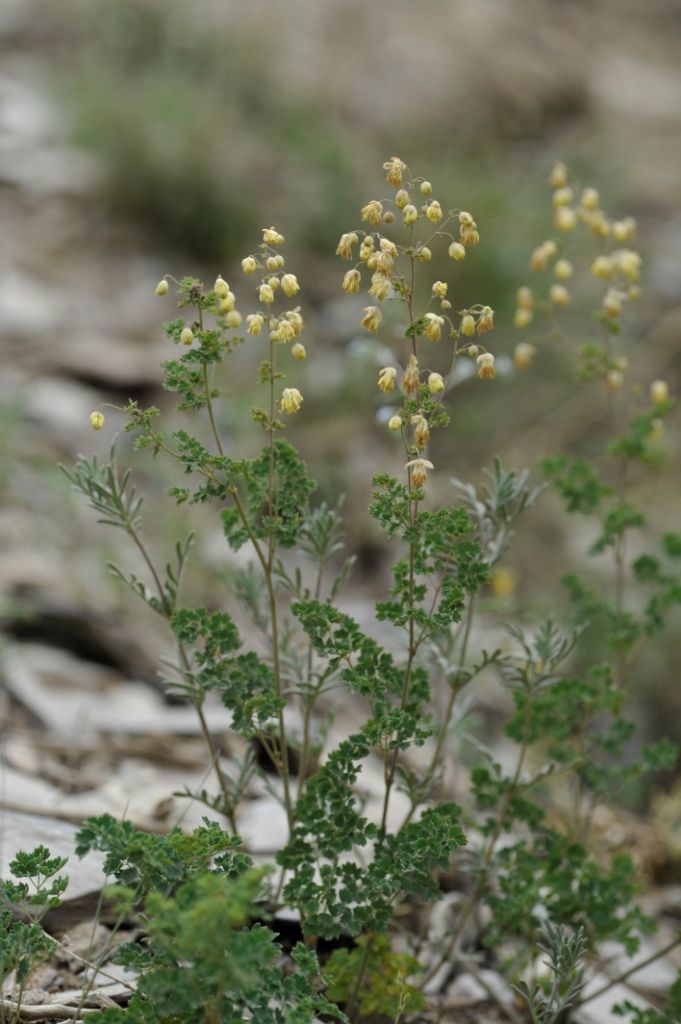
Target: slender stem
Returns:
[[454, 689], [309, 700], [209, 399], [477, 890], [350, 1006], [627, 974]]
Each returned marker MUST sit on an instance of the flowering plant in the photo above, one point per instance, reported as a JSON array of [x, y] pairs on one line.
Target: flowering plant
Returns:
[[510, 879]]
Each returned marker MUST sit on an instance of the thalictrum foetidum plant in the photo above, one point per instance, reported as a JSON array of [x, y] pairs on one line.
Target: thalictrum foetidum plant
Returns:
[[351, 872]]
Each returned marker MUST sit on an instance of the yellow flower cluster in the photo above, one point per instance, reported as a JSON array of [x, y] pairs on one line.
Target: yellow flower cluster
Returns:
[[398, 234]]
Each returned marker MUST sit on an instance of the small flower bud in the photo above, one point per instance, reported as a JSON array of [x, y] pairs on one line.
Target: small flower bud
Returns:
[[559, 295], [410, 214], [388, 217], [439, 289], [186, 336], [558, 176], [426, 188], [249, 265], [291, 400], [659, 392], [445, 305], [273, 262], [590, 199], [387, 378], [457, 251], [563, 270], [565, 218], [468, 325], [485, 363], [612, 302], [371, 319], [255, 323], [433, 326], [266, 294], [624, 230], [563, 196], [524, 298], [602, 267], [271, 236], [656, 430], [227, 303], [96, 420], [221, 288], [352, 281], [436, 383], [628, 263], [233, 318], [523, 354], [542, 254], [614, 380], [395, 423], [465, 219], [372, 212], [418, 471], [423, 254], [289, 285], [523, 317], [161, 289], [472, 351], [298, 351], [401, 199], [395, 168], [434, 211]]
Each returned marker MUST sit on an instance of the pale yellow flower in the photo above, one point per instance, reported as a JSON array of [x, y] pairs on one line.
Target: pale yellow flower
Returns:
[[659, 392], [439, 289], [457, 251], [485, 320], [187, 336], [410, 213], [401, 199], [434, 211], [602, 267], [421, 430], [96, 420], [395, 423], [161, 289], [525, 298], [523, 354], [485, 363], [298, 351], [418, 471], [565, 218], [295, 318], [249, 265], [590, 199], [266, 294], [352, 282], [386, 379], [410, 380], [227, 302], [423, 254], [221, 288], [395, 168], [380, 286], [291, 400], [563, 270], [426, 188], [233, 318], [344, 249], [558, 175], [289, 285], [372, 318], [271, 236], [468, 325], [523, 317], [255, 323], [372, 212], [433, 326], [559, 295], [436, 383]]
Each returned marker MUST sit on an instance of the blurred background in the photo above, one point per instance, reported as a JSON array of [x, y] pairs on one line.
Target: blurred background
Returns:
[[156, 137]]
